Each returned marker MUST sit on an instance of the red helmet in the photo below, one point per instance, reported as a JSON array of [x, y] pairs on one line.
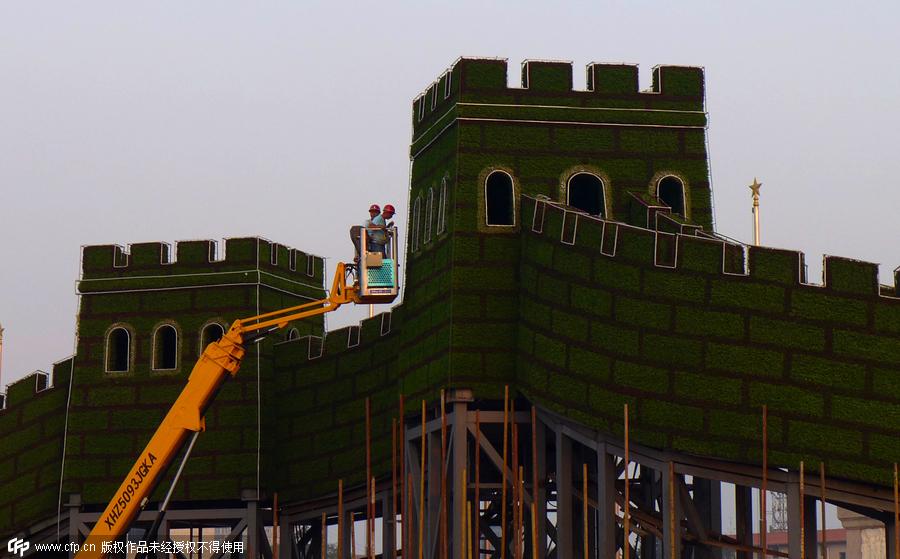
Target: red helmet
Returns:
[[389, 208], [374, 208]]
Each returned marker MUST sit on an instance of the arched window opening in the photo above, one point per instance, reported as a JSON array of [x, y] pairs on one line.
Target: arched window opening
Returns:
[[585, 192], [118, 350], [671, 191], [292, 334], [165, 348], [416, 218], [442, 208], [499, 201], [211, 333], [429, 209]]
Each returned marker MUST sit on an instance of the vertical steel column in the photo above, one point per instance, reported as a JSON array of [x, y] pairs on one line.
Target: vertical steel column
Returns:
[[460, 462], [606, 502], [671, 513], [346, 537], [250, 497], [74, 507], [388, 526], [433, 494], [794, 502], [708, 501], [540, 492], [890, 547], [285, 543], [743, 512], [563, 496]]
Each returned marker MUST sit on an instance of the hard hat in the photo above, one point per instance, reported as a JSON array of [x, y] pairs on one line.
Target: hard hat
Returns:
[[389, 208], [374, 208]]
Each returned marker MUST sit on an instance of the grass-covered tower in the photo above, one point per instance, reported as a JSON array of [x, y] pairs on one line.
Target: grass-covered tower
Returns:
[[478, 145]]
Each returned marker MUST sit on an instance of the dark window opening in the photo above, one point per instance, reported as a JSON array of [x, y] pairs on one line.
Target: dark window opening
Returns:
[[442, 208], [671, 192], [586, 194], [165, 348], [499, 199], [211, 333], [118, 350]]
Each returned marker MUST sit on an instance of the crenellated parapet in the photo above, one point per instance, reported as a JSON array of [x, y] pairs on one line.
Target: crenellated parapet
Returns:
[[545, 84], [158, 260], [32, 420], [696, 333], [701, 252], [323, 384], [23, 389]]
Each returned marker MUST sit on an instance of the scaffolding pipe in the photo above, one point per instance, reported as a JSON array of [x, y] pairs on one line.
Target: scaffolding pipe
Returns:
[[503, 474], [763, 521], [477, 535], [340, 519], [626, 519]]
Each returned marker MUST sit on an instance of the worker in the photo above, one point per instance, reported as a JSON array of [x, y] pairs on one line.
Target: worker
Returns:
[[375, 230], [355, 231], [379, 235]]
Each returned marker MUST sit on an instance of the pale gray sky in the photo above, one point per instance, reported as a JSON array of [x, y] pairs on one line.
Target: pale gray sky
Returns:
[[171, 120]]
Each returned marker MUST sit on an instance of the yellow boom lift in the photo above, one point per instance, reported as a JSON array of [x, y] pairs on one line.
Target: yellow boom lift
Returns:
[[373, 280]]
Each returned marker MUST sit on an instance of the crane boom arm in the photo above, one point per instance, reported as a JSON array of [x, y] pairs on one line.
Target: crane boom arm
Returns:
[[219, 361]]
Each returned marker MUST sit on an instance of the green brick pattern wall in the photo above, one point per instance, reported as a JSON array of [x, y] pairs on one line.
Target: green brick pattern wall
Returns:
[[320, 409], [545, 129], [113, 415], [468, 123], [31, 443], [697, 352]]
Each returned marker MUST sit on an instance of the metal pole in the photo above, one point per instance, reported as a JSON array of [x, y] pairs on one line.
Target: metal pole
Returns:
[[675, 534], [896, 514], [275, 526], [477, 535], [422, 488], [824, 520], [765, 479], [802, 515], [392, 524], [755, 190], [151, 533], [340, 543], [442, 515], [503, 483], [324, 538], [626, 546], [404, 491], [370, 521], [584, 507], [462, 520]]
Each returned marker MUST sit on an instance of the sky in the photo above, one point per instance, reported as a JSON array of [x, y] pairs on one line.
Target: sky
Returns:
[[165, 121]]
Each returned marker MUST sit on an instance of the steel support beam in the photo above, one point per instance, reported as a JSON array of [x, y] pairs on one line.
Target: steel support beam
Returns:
[[671, 512], [794, 502], [708, 503], [606, 502], [460, 463], [743, 512], [539, 493], [890, 548], [564, 504]]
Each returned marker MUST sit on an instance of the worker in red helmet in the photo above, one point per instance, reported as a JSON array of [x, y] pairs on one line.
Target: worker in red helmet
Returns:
[[369, 225], [378, 234], [375, 226], [386, 215]]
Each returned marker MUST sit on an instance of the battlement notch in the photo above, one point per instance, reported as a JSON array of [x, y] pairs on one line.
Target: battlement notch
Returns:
[[156, 259], [549, 83]]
